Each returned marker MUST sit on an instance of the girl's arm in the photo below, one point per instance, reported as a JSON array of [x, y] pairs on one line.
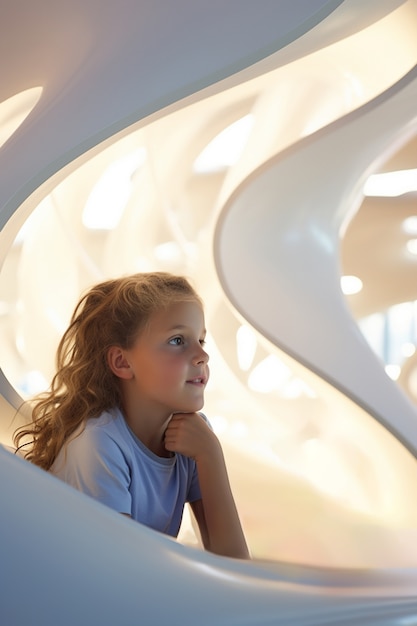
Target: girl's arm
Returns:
[[216, 514]]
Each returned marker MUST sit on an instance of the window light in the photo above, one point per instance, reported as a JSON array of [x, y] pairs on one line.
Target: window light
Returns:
[[111, 193], [225, 149], [391, 184], [168, 251], [15, 110], [271, 374], [246, 347]]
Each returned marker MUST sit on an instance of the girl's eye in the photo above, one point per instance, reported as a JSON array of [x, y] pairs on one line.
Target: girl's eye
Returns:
[[202, 342], [176, 341]]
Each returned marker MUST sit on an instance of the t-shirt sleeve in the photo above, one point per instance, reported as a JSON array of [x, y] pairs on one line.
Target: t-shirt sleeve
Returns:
[[95, 464]]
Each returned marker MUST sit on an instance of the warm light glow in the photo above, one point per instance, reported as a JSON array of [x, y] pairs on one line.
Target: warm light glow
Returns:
[[15, 110], [269, 375], [111, 193], [225, 149], [350, 285], [219, 423], [410, 225], [391, 184], [296, 388], [239, 430], [168, 251], [412, 246], [246, 347]]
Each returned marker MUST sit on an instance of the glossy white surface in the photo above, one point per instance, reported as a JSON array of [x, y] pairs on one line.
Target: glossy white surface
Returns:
[[285, 259], [77, 562]]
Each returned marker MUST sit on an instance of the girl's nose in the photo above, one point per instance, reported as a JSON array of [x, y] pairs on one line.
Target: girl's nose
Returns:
[[201, 357]]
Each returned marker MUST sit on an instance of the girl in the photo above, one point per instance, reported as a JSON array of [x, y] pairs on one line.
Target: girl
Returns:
[[120, 421]]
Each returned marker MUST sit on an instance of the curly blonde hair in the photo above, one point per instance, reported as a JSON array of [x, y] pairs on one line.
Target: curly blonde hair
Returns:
[[110, 313]]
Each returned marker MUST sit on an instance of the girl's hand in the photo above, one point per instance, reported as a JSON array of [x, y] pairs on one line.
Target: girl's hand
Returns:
[[216, 514], [190, 435]]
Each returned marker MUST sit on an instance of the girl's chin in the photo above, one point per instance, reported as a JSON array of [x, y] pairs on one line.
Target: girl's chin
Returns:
[[190, 408]]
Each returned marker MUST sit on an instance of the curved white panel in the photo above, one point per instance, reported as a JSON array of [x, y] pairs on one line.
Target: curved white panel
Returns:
[[119, 65], [277, 251], [97, 567]]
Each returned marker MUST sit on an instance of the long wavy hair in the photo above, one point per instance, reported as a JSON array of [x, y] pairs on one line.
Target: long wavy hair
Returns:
[[110, 313]]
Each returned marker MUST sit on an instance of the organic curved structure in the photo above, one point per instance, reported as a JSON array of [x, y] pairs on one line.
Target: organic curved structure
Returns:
[[146, 86]]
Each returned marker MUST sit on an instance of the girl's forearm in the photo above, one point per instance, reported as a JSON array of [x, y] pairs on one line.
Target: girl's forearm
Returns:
[[224, 534]]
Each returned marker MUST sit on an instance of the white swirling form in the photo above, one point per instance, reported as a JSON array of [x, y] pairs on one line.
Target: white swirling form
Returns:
[[66, 559]]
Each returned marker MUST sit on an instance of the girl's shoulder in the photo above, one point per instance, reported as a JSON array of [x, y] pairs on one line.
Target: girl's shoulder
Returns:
[[109, 423], [205, 418], [104, 435], [106, 420]]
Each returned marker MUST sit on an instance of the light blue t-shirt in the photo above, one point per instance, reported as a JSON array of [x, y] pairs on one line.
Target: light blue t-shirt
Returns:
[[108, 462]]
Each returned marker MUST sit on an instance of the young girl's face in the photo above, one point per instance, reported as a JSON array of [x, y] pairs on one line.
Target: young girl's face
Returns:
[[168, 361]]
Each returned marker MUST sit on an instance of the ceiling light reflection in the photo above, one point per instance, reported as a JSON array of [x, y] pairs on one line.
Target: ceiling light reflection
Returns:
[[410, 225], [412, 246], [350, 285], [393, 371]]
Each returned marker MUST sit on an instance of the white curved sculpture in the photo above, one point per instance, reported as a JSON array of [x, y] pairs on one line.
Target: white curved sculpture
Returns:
[[66, 559], [285, 261], [71, 560]]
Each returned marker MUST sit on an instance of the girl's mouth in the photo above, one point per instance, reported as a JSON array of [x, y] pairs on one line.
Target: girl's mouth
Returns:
[[200, 381]]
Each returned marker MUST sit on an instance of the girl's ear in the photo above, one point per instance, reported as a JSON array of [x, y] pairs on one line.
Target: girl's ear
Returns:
[[118, 363]]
